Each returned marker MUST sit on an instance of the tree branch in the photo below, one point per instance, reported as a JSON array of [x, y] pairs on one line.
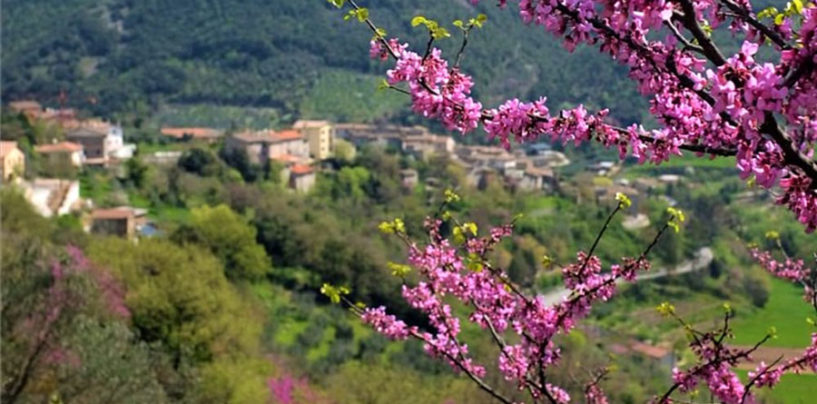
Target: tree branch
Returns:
[[690, 21], [757, 376], [461, 52], [791, 155], [746, 16], [806, 67], [680, 38]]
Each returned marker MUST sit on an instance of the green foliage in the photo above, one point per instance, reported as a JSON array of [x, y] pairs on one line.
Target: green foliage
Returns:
[[350, 97], [344, 151], [230, 237], [351, 183], [434, 28], [234, 382], [334, 293], [179, 296], [757, 288], [383, 384], [216, 116], [136, 172], [473, 22], [112, 362], [361, 14], [199, 161], [793, 8]]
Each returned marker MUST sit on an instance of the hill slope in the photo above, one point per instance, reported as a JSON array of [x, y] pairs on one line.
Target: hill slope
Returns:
[[132, 54]]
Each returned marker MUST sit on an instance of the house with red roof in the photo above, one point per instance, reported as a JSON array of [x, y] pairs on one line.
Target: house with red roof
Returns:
[[30, 108], [114, 222], [100, 140], [122, 221], [302, 178], [61, 154], [264, 145], [289, 141]]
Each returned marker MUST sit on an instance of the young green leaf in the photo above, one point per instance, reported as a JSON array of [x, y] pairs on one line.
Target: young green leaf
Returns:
[[418, 20]]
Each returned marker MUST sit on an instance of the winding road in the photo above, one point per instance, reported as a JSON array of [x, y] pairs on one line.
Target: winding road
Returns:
[[703, 257]]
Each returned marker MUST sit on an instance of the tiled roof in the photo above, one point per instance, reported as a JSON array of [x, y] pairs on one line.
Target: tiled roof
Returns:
[[302, 124], [6, 147], [269, 136], [360, 129], [301, 169], [288, 134], [287, 158], [193, 132], [539, 172], [96, 125], [87, 131], [24, 105], [63, 113], [59, 147], [110, 214], [264, 136], [426, 139]]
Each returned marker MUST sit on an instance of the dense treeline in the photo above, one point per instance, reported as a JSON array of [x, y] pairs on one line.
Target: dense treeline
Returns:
[[120, 55]]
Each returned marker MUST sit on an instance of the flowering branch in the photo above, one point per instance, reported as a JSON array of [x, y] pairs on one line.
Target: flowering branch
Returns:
[[717, 362], [793, 270], [733, 108], [459, 268]]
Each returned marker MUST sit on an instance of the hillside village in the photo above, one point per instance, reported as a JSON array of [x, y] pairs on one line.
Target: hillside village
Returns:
[[299, 154]]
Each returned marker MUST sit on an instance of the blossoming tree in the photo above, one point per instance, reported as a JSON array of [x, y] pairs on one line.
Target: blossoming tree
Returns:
[[763, 114]]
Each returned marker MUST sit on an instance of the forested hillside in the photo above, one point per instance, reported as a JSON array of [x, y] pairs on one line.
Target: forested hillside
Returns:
[[299, 57]]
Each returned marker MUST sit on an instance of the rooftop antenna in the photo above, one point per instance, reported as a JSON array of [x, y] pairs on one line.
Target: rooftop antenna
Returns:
[[63, 98]]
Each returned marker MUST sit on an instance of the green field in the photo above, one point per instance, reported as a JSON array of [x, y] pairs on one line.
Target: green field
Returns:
[[351, 98], [793, 389], [785, 310], [216, 116], [682, 162]]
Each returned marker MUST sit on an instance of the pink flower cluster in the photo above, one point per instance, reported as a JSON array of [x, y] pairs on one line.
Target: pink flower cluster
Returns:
[[379, 50], [288, 389], [791, 269], [523, 120], [594, 395], [766, 376], [769, 376], [386, 324], [715, 369], [113, 294], [436, 91]]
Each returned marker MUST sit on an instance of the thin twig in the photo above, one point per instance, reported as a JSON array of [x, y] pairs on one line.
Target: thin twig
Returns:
[[746, 16], [461, 52], [677, 34], [757, 376], [690, 21]]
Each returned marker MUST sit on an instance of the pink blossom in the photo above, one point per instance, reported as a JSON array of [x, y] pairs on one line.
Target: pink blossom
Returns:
[[385, 324]]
